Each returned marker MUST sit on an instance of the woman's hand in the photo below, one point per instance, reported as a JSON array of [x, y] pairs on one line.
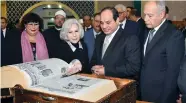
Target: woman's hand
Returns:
[[179, 100], [75, 66]]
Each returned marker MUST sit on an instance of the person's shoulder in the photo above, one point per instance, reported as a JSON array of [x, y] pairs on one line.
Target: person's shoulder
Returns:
[[132, 22], [89, 31], [132, 25], [14, 33], [172, 28], [48, 30], [101, 35], [64, 43], [82, 43], [128, 34], [172, 32], [15, 30]]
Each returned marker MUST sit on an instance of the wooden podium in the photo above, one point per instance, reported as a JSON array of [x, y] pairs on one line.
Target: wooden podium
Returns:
[[125, 93]]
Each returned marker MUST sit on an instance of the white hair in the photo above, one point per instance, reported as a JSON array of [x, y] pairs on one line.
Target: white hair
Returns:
[[67, 25], [121, 6], [161, 6]]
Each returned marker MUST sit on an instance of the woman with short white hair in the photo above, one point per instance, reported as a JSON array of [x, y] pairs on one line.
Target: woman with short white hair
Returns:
[[71, 46]]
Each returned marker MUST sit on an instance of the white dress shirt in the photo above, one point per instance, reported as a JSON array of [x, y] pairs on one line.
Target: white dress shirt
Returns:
[[74, 48], [107, 41], [4, 32], [124, 22], [88, 27]]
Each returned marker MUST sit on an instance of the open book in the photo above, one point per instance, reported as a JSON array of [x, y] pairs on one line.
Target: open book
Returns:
[[49, 76]]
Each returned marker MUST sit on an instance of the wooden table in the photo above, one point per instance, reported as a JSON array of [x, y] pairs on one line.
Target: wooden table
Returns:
[[126, 93]]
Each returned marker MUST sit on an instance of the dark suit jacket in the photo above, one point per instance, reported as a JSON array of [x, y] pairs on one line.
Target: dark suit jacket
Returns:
[[52, 38], [142, 28], [6, 43], [184, 32], [159, 74], [122, 57], [89, 40], [3, 51], [64, 52], [132, 27], [181, 80], [13, 49]]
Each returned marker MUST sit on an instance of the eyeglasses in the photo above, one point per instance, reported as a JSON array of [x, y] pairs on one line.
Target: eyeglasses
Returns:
[[120, 13]]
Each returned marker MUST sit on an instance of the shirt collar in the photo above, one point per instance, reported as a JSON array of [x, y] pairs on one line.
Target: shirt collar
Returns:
[[111, 36], [4, 32], [156, 28], [58, 29], [138, 19], [4, 29], [124, 22], [73, 47], [95, 33], [89, 27]]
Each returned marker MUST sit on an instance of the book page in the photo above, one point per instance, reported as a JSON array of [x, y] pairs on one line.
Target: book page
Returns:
[[76, 86], [40, 70], [66, 85]]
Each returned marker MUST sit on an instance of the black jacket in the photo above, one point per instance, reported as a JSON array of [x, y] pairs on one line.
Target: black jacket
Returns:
[[64, 52], [182, 79]]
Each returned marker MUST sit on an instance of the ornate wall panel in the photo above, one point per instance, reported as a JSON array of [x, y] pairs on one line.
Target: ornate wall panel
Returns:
[[15, 9]]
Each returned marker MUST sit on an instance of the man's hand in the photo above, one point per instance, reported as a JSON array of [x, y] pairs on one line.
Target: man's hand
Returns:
[[179, 100], [98, 69]]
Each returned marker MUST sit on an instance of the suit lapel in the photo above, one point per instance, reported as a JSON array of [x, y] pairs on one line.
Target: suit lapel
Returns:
[[92, 37], [100, 45], [156, 37], [113, 42]]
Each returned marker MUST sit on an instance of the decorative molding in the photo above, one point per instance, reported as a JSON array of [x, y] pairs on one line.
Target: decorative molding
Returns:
[[16, 9], [45, 3], [95, 6]]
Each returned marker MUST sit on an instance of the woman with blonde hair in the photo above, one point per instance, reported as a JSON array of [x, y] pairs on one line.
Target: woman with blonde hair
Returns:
[[71, 46]]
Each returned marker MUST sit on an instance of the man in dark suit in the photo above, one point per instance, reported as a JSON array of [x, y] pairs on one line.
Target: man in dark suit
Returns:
[[117, 53], [51, 35], [128, 25], [141, 23], [181, 82], [90, 35], [184, 28], [5, 35], [163, 52]]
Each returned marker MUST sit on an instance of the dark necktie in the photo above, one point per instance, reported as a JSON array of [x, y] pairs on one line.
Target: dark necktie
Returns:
[[121, 26], [96, 36]]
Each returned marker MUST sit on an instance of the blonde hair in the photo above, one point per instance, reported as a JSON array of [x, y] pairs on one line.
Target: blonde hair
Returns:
[[67, 25]]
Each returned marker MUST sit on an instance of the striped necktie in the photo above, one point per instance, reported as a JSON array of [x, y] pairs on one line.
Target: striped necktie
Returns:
[[151, 32]]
